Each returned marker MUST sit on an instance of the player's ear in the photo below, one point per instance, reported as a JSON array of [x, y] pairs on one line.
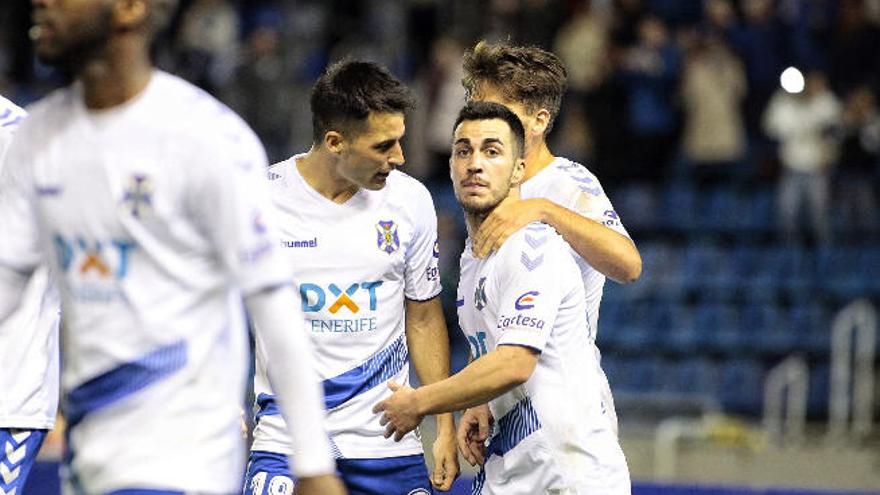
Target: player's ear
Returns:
[[334, 141], [540, 122], [519, 171], [130, 14]]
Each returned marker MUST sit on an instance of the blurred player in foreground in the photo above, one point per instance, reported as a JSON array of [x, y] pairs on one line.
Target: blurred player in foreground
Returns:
[[363, 240], [522, 309], [149, 199], [29, 353]]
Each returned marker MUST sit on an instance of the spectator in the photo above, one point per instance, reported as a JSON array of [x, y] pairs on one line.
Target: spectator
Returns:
[[208, 41], [803, 125], [713, 85], [856, 172], [651, 71]]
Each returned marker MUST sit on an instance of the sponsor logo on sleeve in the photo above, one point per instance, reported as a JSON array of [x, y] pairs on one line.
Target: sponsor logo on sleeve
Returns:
[[526, 301]]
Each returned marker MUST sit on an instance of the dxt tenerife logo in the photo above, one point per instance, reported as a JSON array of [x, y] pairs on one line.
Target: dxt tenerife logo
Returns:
[[387, 239], [526, 301], [480, 294], [343, 299], [92, 265]]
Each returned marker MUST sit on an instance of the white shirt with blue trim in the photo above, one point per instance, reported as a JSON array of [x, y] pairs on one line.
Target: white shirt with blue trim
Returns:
[[354, 265], [28, 338], [554, 431], [152, 216]]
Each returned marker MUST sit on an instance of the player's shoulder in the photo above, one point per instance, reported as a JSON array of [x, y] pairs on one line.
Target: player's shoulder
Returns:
[[574, 176], [531, 245], [192, 110], [10, 113], [406, 190], [281, 174]]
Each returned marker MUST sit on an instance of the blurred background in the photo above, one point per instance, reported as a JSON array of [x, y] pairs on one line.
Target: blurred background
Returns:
[[739, 141]]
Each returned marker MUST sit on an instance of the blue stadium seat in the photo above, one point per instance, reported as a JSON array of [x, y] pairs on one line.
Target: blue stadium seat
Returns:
[[742, 382]]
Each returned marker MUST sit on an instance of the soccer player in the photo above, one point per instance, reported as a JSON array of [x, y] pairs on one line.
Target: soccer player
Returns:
[[148, 198], [362, 237], [556, 191], [523, 311], [29, 353]]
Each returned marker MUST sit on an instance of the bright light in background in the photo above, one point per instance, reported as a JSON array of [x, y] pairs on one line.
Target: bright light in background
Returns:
[[792, 80]]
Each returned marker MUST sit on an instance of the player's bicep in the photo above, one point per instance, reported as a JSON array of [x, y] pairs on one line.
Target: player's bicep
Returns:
[[21, 249], [529, 295]]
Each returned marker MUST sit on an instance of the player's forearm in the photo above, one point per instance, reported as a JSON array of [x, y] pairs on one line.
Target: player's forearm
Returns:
[[296, 385], [611, 253], [428, 342], [479, 382]]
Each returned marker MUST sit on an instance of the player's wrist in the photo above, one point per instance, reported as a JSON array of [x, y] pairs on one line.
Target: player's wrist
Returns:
[[445, 424]]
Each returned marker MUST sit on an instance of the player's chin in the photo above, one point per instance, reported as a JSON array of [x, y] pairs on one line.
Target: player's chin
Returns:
[[377, 182]]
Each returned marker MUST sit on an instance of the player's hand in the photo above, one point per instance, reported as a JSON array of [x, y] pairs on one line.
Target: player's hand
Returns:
[[446, 467], [509, 216], [473, 431], [328, 484], [401, 414]]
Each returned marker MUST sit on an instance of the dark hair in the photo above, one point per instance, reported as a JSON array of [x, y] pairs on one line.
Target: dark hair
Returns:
[[348, 91], [484, 110], [524, 74]]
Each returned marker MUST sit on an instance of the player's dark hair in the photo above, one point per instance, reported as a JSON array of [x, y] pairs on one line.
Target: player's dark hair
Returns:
[[348, 91], [484, 110], [528, 75]]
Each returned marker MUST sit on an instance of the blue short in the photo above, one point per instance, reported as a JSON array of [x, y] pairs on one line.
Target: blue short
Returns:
[[18, 451], [268, 474]]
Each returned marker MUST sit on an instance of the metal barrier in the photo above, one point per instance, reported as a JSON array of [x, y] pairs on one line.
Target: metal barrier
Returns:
[[787, 380], [852, 385]]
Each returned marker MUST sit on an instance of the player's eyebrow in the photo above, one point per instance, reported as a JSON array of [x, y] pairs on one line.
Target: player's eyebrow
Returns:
[[462, 140], [490, 140]]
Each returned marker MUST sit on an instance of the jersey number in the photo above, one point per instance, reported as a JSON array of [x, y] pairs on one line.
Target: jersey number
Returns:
[[278, 485]]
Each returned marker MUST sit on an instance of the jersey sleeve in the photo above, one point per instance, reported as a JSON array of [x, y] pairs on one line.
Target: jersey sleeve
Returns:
[[234, 210], [587, 198], [21, 249], [422, 274], [527, 289]]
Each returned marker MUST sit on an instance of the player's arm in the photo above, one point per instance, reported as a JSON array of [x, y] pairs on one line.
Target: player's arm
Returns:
[[231, 204], [611, 253], [296, 384], [495, 373], [428, 341], [20, 248]]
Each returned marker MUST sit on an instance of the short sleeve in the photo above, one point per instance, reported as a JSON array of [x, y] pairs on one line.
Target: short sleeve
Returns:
[[21, 248], [528, 293], [234, 210], [589, 200], [422, 274]]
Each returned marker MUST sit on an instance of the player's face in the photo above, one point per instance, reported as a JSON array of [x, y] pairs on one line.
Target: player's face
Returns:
[[484, 165], [66, 32], [374, 152]]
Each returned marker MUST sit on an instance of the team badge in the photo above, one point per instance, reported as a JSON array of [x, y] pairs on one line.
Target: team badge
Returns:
[[387, 239], [480, 294], [526, 301], [138, 198]]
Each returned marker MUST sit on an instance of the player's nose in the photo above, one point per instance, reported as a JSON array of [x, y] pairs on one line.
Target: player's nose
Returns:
[[396, 158]]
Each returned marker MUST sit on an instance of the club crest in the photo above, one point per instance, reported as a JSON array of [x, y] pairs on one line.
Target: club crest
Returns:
[[138, 198], [387, 239]]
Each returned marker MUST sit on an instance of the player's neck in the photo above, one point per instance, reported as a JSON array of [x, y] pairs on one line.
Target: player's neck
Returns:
[[538, 157], [316, 168], [117, 77]]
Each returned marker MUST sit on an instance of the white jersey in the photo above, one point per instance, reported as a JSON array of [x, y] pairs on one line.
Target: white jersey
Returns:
[[571, 185], [152, 216], [354, 263], [28, 338], [553, 434]]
